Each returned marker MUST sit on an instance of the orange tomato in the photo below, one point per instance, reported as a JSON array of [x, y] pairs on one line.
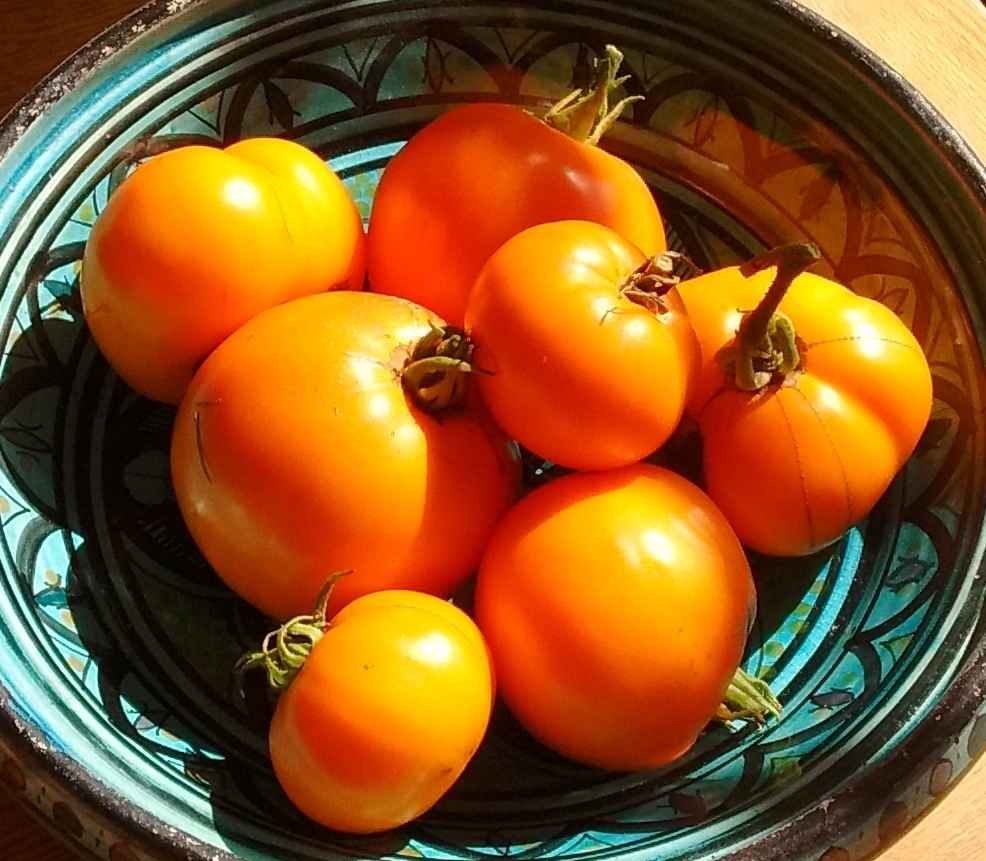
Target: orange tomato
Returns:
[[579, 371], [616, 605], [474, 177], [197, 240], [796, 461], [387, 710], [297, 451]]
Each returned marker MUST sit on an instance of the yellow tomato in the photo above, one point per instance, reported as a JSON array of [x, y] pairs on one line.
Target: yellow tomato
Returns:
[[196, 241], [297, 450], [389, 707]]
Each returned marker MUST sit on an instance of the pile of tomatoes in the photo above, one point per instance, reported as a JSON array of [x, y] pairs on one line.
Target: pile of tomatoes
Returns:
[[357, 413]]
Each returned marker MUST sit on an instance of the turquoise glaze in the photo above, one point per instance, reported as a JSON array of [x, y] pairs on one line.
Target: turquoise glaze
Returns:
[[119, 719]]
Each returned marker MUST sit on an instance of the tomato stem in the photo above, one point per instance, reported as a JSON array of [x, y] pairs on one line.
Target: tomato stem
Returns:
[[748, 698], [585, 115], [284, 651], [437, 371], [766, 346]]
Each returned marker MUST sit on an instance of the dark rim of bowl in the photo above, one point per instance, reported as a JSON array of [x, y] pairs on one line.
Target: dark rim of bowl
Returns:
[[794, 839]]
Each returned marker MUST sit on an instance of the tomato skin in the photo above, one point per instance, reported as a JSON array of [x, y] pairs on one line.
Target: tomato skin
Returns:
[[797, 464], [389, 708], [474, 177], [296, 452], [578, 372], [198, 240], [616, 606]]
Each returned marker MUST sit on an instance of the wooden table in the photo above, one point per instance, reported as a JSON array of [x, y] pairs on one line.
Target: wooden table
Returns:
[[939, 45]]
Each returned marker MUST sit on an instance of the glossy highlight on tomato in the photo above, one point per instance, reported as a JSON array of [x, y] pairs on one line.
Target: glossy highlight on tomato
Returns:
[[616, 605], [197, 240], [297, 451]]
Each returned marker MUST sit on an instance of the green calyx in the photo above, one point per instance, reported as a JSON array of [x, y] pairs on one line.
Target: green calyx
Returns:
[[585, 115], [285, 650], [436, 372], [772, 357], [748, 698], [766, 348]]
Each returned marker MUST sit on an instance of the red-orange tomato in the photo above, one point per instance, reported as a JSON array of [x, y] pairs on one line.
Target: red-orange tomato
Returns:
[[198, 240], [616, 606], [296, 452], [796, 464], [476, 176], [574, 369], [388, 709]]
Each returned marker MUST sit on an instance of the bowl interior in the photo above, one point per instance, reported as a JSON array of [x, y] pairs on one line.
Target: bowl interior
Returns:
[[758, 126]]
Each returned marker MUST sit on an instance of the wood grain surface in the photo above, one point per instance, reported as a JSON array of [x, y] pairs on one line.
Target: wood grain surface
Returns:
[[937, 45]]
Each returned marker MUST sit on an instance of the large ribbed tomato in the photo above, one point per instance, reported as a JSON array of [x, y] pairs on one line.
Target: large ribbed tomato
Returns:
[[808, 407], [198, 240], [300, 449], [481, 173]]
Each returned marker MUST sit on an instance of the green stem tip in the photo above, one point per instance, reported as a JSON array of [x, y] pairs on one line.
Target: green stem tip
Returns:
[[585, 115], [748, 698], [284, 651]]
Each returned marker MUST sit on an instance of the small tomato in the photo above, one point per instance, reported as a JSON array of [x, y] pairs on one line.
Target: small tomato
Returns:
[[807, 406], [198, 240], [389, 706], [585, 347]]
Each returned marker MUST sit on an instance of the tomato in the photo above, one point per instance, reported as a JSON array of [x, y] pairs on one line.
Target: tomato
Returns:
[[198, 240], [616, 605], [587, 351], [297, 450], [388, 708], [480, 173], [805, 447]]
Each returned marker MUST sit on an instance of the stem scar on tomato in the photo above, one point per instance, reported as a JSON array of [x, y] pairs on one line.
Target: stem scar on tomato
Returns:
[[650, 282], [766, 347], [437, 369]]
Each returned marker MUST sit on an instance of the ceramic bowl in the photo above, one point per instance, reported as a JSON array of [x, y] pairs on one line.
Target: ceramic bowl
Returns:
[[760, 124]]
